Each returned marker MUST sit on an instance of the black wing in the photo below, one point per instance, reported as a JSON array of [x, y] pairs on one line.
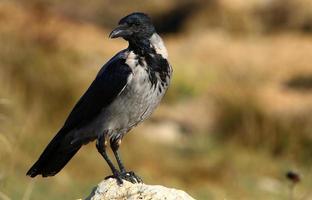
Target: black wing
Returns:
[[104, 89]]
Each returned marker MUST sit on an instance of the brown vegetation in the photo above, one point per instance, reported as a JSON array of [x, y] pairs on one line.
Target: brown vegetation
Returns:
[[239, 109]]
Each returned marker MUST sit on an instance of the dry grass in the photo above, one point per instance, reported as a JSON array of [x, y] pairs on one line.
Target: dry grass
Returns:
[[227, 85]]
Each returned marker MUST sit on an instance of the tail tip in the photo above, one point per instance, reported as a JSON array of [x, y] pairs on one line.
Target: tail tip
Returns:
[[32, 172]]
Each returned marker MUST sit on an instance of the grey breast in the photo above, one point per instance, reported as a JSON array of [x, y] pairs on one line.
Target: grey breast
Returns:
[[137, 100]]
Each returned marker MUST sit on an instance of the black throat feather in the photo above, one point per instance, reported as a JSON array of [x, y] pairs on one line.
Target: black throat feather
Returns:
[[156, 64]]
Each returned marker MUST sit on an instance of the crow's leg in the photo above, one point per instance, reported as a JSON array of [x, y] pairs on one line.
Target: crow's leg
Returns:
[[115, 146], [129, 176], [101, 145]]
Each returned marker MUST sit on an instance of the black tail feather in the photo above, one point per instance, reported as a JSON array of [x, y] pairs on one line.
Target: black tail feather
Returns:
[[55, 156]]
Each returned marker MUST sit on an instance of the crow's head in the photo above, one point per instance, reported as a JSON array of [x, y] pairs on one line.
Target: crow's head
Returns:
[[136, 26]]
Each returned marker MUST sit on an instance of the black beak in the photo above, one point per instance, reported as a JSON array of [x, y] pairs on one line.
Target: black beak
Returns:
[[121, 31]]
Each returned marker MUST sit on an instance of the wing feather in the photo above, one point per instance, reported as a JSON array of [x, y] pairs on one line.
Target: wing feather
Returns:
[[108, 84]]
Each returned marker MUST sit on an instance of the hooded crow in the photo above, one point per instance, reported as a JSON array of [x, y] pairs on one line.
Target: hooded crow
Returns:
[[124, 93]]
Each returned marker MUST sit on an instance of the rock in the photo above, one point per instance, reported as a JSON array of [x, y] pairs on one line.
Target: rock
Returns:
[[110, 190]]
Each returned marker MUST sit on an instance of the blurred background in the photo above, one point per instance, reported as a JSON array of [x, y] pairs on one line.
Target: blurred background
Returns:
[[237, 117]]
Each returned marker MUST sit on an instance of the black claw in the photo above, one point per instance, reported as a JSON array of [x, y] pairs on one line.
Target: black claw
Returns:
[[135, 177], [131, 177], [119, 180], [128, 176]]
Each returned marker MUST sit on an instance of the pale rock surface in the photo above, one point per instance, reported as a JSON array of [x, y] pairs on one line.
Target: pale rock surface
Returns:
[[110, 190]]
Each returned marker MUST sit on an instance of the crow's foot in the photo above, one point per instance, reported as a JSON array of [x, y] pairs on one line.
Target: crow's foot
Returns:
[[132, 177], [128, 176]]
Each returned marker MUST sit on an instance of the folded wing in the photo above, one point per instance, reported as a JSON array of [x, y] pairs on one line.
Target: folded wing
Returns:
[[109, 82]]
